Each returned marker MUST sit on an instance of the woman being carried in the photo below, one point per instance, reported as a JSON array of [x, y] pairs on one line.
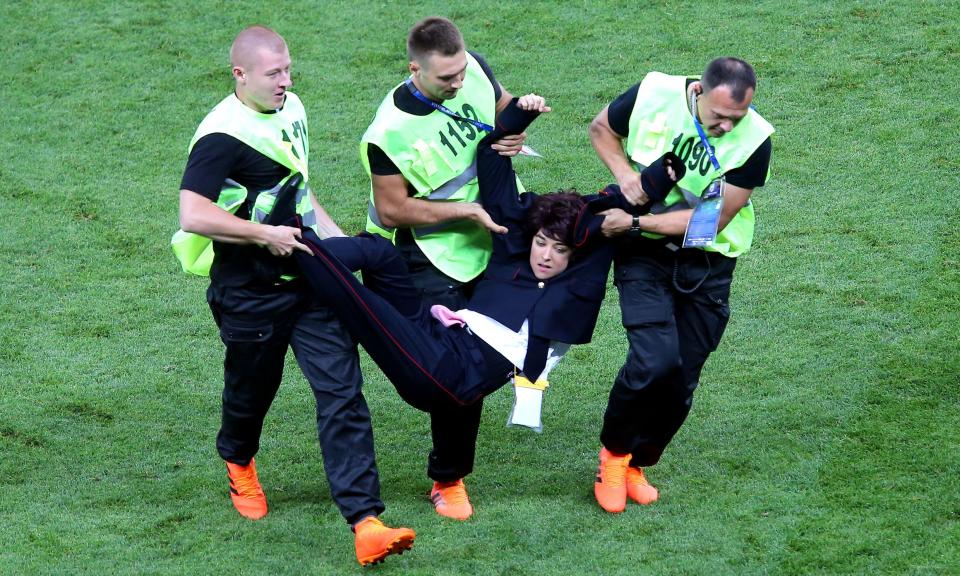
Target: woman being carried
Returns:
[[540, 293]]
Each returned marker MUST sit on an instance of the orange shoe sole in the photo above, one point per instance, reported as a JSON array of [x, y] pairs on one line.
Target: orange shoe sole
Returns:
[[399, 545], [251, 512]]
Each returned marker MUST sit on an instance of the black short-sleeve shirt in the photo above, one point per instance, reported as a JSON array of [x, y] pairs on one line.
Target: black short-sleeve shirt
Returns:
[[752, 174], [215, 158]]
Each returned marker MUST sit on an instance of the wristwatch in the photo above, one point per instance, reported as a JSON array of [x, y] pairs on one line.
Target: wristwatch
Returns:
[[634, 227]]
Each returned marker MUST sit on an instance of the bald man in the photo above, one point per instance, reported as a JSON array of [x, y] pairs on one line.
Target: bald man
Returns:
[[243, 154]]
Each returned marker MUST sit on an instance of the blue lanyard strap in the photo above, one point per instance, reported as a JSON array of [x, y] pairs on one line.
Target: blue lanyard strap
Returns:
[[703, 136], [706, 145], [437, 106]]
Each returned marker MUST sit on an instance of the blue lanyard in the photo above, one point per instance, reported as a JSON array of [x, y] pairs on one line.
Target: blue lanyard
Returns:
[[437, 106], [703, 140], [703, 136]]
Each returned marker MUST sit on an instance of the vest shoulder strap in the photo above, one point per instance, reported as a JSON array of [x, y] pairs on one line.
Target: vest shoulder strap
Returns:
[[281, 136]]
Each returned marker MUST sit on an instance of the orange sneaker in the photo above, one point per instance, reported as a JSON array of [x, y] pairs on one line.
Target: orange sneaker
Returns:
[[610, 487], [245, 491], [374, 541], [638, 489], [450, 499]]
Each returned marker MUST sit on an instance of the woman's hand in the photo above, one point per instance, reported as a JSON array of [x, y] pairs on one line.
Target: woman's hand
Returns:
[[533, 103]]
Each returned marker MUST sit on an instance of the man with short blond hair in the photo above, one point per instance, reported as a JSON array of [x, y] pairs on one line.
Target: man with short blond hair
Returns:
[[244, 158]]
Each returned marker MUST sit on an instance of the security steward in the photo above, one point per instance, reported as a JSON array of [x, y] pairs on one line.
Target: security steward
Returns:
[[246, 159], [420, 153], [675, 265]]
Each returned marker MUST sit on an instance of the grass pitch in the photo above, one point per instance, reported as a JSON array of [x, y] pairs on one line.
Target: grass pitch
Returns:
[[825, 435]]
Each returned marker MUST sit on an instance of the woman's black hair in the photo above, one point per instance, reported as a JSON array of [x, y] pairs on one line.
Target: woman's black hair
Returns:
[[555, 214]]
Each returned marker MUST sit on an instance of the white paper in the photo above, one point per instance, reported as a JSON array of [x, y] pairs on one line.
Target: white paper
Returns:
[[526, 410], [528, 151]]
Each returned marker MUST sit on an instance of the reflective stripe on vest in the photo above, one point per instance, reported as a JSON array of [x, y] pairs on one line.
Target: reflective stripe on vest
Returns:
[[661, 122], [267, 198], [444, 192], [280, 136]]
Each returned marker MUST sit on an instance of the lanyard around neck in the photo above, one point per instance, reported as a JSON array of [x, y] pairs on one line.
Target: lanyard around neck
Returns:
[[437, 106], [703, 136]]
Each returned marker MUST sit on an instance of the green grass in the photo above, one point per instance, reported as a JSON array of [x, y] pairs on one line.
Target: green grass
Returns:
[[825, 437]]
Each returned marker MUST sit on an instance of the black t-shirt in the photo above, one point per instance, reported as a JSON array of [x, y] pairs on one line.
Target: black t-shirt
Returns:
[[403, 98], [215, 158], [752, 174]]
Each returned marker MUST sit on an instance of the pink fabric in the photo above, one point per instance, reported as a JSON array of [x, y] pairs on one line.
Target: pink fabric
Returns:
[[446, 316]]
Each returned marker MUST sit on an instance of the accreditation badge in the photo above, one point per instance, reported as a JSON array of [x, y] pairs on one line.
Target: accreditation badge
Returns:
[[702, 227]]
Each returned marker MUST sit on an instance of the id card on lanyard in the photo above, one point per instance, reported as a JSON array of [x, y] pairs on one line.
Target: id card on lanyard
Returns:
[[702, 226]]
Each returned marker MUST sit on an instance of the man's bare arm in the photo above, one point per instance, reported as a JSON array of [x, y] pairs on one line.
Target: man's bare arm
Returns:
[[609, 147], [326, 227], [396, 209], [201, 216]]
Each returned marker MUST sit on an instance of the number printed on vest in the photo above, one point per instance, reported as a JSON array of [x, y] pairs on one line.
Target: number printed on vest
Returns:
[[692, 152], [300, 133], [457, 127]]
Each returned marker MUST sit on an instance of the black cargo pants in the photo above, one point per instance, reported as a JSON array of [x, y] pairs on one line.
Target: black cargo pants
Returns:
[[454, 431], [257, 324], [674, 305]]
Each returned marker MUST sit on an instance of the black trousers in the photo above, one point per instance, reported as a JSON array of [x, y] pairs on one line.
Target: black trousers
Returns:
[[389, 317], [674, 305], [440, 370], [256, 326], [455, 429]]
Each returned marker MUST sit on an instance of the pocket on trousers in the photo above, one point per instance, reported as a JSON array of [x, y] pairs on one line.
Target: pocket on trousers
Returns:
[[717, 324], [721, 300], [636, 315], [643, 303], [238, 331]]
